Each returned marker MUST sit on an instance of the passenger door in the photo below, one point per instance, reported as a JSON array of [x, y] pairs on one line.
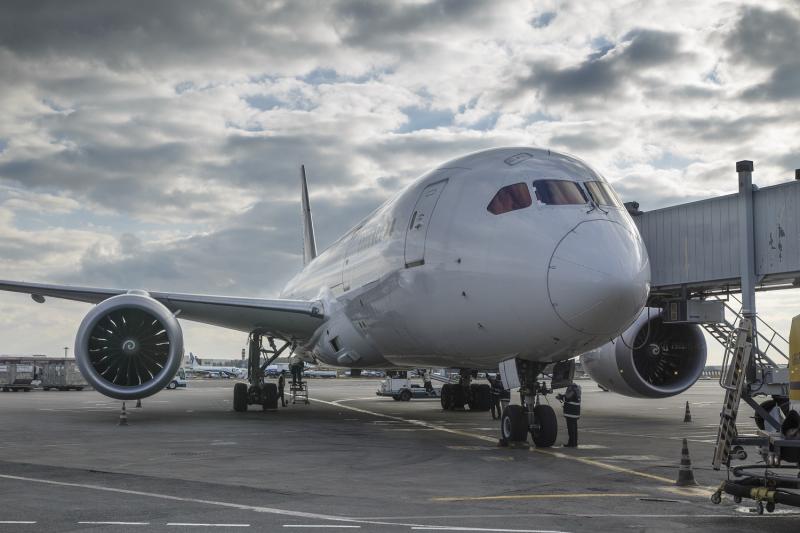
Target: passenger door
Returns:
[[417, 229]]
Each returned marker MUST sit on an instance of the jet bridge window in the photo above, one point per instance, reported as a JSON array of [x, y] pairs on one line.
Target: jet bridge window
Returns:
[[558, 192], [602, 193], [510, 198]]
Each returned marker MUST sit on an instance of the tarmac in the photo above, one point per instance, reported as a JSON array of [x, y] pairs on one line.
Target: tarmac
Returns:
[[354, 461]]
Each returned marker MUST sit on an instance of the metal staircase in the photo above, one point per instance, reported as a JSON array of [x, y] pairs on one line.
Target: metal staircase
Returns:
[[770, 347]]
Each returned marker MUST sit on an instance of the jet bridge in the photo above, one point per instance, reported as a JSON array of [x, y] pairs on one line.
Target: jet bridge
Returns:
[[699, 246]]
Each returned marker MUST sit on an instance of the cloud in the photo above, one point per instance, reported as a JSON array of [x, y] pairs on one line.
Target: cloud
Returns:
[[768, 39], [763, 37], [606, 71]]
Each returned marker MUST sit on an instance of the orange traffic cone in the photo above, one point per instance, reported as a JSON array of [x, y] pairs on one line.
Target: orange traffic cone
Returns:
[[123, 416], [687, 417], [685, 474]]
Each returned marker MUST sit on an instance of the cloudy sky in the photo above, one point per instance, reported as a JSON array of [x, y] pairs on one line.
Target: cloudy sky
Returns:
[[156, 144]]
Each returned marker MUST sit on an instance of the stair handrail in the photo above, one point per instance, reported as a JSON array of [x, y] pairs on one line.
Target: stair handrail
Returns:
[[770, 342]]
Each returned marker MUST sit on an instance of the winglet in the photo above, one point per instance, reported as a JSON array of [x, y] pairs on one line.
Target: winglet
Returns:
[[309, 244]]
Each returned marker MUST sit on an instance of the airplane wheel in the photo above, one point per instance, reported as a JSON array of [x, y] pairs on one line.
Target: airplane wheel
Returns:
[[269, 396], [481, 397], [514, 424], [445, 396], [545, 434], [768, 406], [458, 397], [240, 397], [405, 396]]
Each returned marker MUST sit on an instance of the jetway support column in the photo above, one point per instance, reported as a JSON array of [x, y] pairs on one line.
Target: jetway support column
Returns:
[[747, 257], [746, 239]]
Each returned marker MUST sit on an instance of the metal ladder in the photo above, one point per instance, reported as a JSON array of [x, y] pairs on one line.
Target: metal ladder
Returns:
[[732, 379]]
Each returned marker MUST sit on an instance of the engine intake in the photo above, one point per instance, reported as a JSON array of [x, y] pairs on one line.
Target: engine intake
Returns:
[[650, 359], [129, 346]]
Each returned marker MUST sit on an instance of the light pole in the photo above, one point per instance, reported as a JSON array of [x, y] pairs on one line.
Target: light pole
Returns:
[[66, 348]]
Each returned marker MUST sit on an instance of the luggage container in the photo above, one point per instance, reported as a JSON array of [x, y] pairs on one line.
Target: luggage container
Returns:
[[17, 375], [61, 374]]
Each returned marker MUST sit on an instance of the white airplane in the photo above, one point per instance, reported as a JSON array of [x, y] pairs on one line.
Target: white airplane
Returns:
[[197, 366], [517, 257]]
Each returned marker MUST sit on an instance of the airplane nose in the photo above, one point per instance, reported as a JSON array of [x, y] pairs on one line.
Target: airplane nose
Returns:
[[599, 277]]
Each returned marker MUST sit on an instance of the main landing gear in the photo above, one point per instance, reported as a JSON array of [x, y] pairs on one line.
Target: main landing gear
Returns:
[[259, 391], [478, 396], [531, 416]]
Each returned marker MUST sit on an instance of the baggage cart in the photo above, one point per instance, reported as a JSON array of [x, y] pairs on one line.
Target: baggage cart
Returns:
[[61, 374]]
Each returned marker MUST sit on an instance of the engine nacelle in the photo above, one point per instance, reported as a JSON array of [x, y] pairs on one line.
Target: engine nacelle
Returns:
[[129, 346], [650, 359]]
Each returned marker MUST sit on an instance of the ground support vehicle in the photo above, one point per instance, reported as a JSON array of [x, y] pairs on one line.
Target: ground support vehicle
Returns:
[[402, 389], [178, 381]]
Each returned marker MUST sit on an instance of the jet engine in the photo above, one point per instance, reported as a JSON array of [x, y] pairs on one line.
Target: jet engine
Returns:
[[650, 359], [129, 346]]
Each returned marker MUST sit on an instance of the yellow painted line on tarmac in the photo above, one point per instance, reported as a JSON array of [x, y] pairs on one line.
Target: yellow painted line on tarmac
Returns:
[[485, 438], [605, 466], [555, 496], [420, 423]]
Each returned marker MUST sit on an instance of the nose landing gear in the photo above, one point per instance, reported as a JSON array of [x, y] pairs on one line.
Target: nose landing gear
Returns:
[[531, 416]]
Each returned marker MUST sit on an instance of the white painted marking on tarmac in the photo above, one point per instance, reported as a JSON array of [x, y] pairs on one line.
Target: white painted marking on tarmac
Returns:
[[256, 508], [353, 399], [195, 524], [456, 528], [326, 526], [230, 505], [20, 522], [102, 523]]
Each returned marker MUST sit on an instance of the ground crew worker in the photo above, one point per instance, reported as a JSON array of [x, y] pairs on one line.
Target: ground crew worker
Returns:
[[281, 387], [572, 412], [497, 393]]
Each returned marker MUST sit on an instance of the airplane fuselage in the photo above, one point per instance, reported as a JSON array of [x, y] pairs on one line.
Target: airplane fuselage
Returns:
[[512, 252]]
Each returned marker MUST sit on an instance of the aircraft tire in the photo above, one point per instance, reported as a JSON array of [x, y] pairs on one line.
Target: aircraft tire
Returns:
[[458, 397], [768, 406], [480, 397], [240, 397], [545, 417], [269, 395], [514, 424], [445, 396]]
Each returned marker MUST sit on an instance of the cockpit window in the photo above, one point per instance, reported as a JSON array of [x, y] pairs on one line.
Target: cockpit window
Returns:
[[558, 192], [510, 198], [602, 193]]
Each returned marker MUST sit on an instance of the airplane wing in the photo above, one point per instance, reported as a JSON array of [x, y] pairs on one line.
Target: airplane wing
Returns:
[[284, 319]]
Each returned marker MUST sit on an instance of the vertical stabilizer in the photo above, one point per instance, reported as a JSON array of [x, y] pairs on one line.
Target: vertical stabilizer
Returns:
[[309, 244]]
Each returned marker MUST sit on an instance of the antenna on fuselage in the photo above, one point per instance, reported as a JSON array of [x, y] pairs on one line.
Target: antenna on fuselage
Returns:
[[309, 244]]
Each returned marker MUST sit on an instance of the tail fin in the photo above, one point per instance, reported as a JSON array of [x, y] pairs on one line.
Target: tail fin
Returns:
[[309, 244], [193, 360]]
